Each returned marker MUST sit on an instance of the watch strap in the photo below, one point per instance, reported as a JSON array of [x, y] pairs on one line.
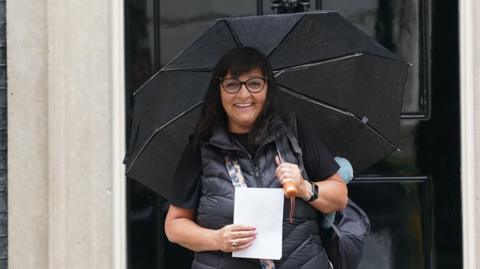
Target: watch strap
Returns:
[[314, 189]]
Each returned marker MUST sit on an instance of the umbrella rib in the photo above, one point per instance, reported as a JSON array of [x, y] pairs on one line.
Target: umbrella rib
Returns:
[[234, 35], [347, 56], [160, 128], [197, 69], [311, 64], [285, 37], [331, 107]]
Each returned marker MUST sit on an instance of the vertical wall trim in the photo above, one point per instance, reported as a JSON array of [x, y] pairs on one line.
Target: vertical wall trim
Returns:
[[469, 67], [27, 134], [118, 134]]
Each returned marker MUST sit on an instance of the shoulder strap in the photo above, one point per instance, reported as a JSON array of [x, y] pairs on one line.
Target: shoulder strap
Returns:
[[291, 129]]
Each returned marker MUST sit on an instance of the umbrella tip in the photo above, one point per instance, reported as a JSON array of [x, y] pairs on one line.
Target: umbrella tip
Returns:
[[399, 150]]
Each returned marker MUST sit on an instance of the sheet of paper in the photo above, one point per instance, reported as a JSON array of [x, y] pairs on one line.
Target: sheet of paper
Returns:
[[263, 209]]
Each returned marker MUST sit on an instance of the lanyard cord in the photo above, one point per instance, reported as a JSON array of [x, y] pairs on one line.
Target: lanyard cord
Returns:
[[238, 181]]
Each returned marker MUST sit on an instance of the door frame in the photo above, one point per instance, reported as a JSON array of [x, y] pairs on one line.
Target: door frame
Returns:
[[469, 56], [117, 44]]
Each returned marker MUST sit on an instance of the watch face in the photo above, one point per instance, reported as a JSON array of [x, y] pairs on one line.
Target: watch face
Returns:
[[314, 192]]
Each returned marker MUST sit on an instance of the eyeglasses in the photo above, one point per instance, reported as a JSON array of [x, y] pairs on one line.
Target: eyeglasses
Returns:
[[232, 85]]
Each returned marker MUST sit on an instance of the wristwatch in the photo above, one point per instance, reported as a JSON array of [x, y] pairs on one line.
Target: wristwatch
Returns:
[[313, 191]]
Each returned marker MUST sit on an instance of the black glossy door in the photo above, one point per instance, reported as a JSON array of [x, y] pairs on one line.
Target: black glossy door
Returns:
[[412, 197]]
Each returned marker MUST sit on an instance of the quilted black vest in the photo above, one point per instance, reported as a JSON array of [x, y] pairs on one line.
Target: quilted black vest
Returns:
[[302, 246]]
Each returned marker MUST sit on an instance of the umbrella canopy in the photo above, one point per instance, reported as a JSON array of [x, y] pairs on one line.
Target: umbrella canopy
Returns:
[[341, 82]]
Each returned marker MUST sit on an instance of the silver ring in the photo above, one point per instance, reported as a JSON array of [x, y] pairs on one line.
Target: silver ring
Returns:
[[234, 243]]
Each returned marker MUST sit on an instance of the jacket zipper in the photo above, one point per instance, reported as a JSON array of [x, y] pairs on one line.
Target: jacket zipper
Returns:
[[253, 160]]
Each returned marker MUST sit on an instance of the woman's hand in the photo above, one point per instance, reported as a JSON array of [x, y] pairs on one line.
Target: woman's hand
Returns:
[[234, 237], [180, 228], [289, 172]]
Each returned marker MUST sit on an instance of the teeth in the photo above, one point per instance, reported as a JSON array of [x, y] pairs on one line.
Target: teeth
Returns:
[[244, 105]]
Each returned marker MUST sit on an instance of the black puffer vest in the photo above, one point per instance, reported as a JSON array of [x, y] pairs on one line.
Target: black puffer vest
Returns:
[[302, 246]]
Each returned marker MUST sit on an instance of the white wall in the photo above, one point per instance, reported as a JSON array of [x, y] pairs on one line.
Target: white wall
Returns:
[[66, 135]]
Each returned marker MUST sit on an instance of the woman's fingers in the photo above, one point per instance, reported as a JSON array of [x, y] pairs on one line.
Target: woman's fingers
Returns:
[[285, 180], [239, 243], [240, 247], [240, 227], [236, 237], [243, 234], [277, 160], [240, 231], [287, 171]]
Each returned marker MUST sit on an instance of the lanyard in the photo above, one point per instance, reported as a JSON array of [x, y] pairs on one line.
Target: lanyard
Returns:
[[238, 181]]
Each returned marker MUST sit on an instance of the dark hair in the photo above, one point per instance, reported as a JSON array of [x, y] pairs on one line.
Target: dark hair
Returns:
[[237, 61]]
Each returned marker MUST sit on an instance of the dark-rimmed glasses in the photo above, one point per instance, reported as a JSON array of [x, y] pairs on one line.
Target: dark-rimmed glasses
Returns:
[[233, 85]]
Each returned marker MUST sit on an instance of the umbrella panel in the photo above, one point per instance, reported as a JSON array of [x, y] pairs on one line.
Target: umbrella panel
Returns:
[[321, 36], [271, 29], [370, 87], [342, 133], [164, 98], [206, 50], [156, 164]]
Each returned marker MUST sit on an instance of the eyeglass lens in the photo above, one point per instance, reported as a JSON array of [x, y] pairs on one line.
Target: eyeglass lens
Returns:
[[232, 85]]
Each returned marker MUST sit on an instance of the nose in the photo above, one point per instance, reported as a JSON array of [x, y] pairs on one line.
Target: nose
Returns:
[[243, 92]]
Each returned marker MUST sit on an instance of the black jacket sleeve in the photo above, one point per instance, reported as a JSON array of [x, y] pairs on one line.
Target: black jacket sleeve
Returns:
[[318, 162], [187, 179]]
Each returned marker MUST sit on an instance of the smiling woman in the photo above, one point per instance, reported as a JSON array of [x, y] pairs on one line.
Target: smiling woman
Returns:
[[236, 142]]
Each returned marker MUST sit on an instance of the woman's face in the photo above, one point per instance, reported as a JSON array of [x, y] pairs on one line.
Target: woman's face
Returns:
[[243, 107]]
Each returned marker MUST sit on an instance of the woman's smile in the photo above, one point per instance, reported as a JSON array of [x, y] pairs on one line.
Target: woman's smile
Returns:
[[244, 106]]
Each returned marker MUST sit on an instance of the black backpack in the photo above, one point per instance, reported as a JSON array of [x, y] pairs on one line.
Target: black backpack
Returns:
[[345, 240]]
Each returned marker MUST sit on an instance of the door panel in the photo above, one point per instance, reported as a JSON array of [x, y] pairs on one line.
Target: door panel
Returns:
[[400, 213]]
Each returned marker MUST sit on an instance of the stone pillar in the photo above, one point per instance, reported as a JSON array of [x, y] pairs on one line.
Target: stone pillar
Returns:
[[27, 135], [470, 129], [66, 189]]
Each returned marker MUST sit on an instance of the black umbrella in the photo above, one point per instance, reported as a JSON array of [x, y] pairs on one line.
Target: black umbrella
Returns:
[[341, 82]]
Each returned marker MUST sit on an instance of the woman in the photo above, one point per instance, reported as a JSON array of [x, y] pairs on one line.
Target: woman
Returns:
[[241, 124]]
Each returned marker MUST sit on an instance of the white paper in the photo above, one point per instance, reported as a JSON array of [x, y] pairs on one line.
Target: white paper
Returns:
[[263, 209]]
